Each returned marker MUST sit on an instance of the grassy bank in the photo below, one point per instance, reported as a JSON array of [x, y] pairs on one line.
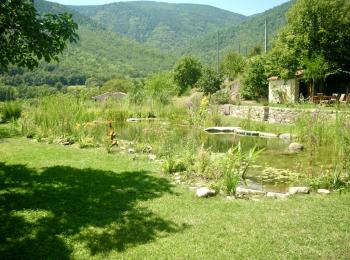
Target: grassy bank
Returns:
[[62, 202]]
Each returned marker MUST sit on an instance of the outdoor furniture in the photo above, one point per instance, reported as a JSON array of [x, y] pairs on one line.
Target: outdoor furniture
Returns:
[[342, 98], [334, 98], [345, 100]]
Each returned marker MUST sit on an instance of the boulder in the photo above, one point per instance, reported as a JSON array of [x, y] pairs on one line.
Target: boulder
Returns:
[[323, 191], [152, 157], [276, 195], [133, 120], [131, 151], [205, 192], [285, 136], [242, 191], [296, 147], [230, 197], [296, 190]]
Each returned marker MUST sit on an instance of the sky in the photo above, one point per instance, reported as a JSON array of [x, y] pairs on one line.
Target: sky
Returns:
[[246, 7]]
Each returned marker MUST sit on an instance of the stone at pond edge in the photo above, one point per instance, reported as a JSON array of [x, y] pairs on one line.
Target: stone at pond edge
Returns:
[[285, 136], [242, 191], [230, 197], [323, 191], [296, 190], [131, 151], [152, 157], [296, 147], [205, 192], [276, 195], [267, 135]]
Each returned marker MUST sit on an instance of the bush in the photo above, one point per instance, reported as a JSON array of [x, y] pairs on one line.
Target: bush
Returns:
[[255, 84], [160, 87], [186, 73], [11, 111], [221, 97], [210, 82], [232, 65]]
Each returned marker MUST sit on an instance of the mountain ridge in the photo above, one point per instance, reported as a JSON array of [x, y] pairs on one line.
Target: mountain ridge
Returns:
[[165, 26]]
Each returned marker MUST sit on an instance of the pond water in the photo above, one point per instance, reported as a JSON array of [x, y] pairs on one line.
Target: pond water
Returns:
[[272, 171]]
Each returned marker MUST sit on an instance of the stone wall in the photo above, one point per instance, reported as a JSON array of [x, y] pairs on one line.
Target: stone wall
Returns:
[[273, 114]]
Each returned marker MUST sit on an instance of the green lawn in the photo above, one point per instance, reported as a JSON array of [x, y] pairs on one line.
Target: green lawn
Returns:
[[62, 202]]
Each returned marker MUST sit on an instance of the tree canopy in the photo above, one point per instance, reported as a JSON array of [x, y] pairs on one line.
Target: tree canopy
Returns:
[[187, 72], [26, 37], [210, 81], [232, 65], [314, 28]]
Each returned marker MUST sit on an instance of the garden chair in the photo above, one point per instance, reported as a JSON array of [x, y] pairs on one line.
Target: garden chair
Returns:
[[342, 98], [346, 99], [334, 97]]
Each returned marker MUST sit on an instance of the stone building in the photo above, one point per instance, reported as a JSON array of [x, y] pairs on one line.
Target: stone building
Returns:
[[285, 91]]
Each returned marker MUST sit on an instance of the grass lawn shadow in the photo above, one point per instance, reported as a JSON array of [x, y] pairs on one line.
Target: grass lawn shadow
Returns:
[[43, 212]]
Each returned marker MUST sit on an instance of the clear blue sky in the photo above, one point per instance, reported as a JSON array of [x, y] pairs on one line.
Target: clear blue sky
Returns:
[[246, 7]]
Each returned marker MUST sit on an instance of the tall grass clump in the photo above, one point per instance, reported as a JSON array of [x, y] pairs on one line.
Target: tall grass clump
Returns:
[[235, 166], [11, 110], [59, 115], [319, 133]]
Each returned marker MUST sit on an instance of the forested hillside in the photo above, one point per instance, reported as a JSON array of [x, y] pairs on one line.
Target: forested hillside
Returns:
[[243, 37], [98, 55], [161, 25], [135, 39]]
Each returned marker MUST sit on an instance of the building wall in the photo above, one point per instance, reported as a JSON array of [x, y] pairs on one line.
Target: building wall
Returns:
[[283, 91]]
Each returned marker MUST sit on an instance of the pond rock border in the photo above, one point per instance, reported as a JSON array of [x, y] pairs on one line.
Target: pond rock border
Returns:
[[242, 132]]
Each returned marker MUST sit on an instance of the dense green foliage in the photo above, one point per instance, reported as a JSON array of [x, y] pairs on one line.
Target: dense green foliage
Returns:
[[100, 55], [160, 87], [187, 72], [26, 37], [242, 38], [210, 81], [314, 29], [255, 84], [161, 25], [10, 111], [232, 65], [118, 84]]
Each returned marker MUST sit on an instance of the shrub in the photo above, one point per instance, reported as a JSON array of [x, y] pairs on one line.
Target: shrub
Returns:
[[186, 73], [232, 65], [255, 84], [221, 97], [160, 87], [210, 81]]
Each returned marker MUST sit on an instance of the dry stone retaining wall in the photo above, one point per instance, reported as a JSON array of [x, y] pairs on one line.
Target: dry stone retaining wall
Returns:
[[273, 114]]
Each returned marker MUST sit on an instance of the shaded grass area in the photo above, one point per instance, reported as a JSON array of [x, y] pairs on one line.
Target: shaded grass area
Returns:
[[60, 202]]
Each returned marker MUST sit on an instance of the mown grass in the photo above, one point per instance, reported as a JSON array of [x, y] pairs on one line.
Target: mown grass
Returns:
[[62, 202]]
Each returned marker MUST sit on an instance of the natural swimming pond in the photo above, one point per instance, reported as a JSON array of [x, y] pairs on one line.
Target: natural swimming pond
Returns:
[[274, 170]]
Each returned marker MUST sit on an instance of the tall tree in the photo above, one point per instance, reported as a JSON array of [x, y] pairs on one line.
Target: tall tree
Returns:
[[187, 72], [232, 65], [255, 84], [26, 37], [314, 28], [210, 81]]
